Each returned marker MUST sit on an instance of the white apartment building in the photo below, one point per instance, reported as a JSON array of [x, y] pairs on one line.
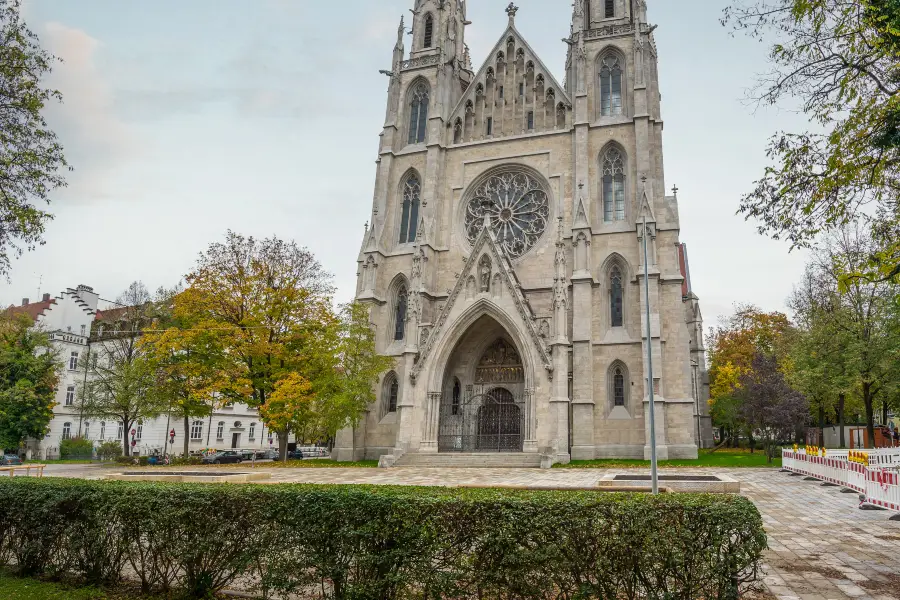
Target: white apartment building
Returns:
[[76, 325]]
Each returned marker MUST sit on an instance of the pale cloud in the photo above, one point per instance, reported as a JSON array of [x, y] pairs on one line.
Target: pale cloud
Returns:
[[96, 141]]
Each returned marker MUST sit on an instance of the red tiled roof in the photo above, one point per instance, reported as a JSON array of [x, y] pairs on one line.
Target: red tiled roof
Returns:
[[111, 314], [33, 310]]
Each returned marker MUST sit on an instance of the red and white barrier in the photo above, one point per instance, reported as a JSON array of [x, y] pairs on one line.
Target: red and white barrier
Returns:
[[883, 488], [856, 477], [879, 481]]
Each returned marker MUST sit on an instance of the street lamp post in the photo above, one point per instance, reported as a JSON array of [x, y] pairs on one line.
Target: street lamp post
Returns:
[[654, 476]]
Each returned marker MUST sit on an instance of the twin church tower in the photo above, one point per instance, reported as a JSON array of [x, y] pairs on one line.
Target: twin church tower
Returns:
[[503, 265]]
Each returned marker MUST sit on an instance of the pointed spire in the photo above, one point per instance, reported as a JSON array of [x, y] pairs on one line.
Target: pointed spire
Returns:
[[401, 31]]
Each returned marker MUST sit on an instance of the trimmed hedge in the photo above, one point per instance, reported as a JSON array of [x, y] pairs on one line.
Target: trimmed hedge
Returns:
[[362, 542]]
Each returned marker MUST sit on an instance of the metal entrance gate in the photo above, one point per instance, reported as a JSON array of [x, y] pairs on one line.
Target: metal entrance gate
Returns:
[[490, 422]]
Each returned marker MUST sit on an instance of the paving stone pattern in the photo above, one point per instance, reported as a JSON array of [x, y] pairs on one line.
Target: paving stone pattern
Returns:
[[822, 546]]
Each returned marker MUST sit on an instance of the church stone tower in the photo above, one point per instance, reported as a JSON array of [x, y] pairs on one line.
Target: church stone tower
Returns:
[[503, 264]]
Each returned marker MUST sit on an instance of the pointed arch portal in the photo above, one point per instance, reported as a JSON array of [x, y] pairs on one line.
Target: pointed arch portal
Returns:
[[483, 406]]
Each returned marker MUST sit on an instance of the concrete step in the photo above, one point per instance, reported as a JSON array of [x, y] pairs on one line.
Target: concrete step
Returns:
[[471, 460]]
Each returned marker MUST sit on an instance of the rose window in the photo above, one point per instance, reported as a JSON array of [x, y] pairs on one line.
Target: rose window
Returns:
[[518, 209]]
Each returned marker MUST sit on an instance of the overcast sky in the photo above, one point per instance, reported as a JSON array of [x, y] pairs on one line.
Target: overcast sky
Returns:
[[183, 119]]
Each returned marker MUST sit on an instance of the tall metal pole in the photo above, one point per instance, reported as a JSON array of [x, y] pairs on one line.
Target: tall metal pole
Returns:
[[654, 475]]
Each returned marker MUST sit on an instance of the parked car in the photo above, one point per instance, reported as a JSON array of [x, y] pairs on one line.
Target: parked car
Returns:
[[10, 460], [267, 454], [314, 452], [295, 454], [222, 458]]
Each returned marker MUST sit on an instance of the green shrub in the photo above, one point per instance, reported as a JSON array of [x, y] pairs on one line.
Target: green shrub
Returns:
[[110, 450], [76, 448], [182, 461], [361, 542]]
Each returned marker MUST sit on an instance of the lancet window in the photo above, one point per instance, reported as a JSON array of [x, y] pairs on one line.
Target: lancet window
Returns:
[[616, 298], [610, 86], [400, 314], [409, 217], [418, 114], [613, 185]]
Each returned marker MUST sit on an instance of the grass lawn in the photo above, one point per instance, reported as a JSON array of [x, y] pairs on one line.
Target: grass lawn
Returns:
[[61, 461], [724, 458], [13, 588]]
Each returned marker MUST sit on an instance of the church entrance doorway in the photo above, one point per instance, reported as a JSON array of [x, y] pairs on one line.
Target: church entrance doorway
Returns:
[[483, 406], [486, 422]]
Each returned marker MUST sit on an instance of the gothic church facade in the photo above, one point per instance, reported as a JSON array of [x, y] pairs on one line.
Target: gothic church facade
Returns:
[[504, 263]]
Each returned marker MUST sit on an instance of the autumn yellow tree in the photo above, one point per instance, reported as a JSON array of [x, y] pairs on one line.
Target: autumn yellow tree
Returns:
[[291, 408], [732, 348]]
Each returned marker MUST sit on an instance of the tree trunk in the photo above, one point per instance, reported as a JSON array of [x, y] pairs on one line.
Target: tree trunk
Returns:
[[126, 439], [884, 413], [187, 433], [870, 412], [750, 440], [282, 445], [841, 399], [821, 443]]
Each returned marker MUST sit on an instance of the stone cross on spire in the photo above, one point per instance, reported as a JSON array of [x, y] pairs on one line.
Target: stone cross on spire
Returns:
[[511, 10]]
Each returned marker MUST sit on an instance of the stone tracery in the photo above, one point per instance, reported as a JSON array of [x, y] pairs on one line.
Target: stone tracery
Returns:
[[518, 208]]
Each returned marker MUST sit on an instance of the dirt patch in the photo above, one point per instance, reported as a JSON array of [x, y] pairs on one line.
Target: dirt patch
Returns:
[[889, 588], [826, 572], [888, 537]]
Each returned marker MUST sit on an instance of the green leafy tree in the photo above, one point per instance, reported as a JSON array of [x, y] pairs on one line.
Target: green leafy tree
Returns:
[[822, 368], [31, 158], [841, 61], [359, 367], [851, 322], [29, 373]]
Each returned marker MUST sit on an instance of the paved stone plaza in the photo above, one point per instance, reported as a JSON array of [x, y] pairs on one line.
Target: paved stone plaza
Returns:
[[822, 546]]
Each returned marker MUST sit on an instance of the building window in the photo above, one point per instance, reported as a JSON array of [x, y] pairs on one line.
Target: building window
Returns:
[[530, 120], [197, 430], [87, 430], [120, 430], [390, 391], [70, 395], [418, 114], [617, 313], [429, 31], [83, 328], [489, 126], [252, 431], [409, 219], [457, 392], [393, 393], [610, 9], [613, 185], [220, 430], [521, 89], [619, 387], [102, 430], [400, 315], [587, 14], [501, 91], [73, 361], [67, 431], [139, 431], [610, 86]]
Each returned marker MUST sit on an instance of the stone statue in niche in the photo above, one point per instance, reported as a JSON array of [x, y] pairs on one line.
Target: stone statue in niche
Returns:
[[484, 273]]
